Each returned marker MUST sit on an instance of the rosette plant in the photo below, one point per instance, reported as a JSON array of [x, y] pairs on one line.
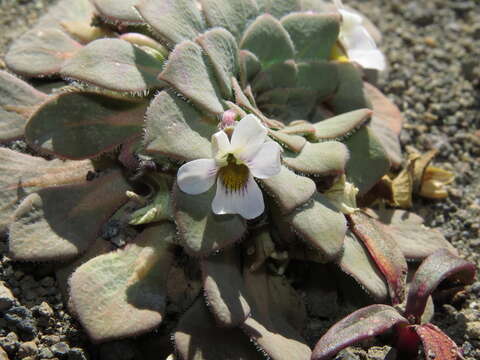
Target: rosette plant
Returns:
[[188, 159]]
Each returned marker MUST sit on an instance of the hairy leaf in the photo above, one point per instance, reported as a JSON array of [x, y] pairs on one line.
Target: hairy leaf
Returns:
[[224, 289], [249, 66], [349, 95], [361, 325], [320, 76], [81, 125], [341, 125], [233, 15], [174, 20], [434, 269], [282, 75], [22, 174], [41, 52], [384, 251], [313, 34], [133, 286], [279, 8], [268, 40], [321, 225], [197, 338], [188, 72], [366, 152], [118, 11], [277, 314], [201, 231], [17, 101], [319, 159], [289, 190], [436, 344], [61, 222], [294, 143], [116, 65], [222, 50], [417, 241], [356, 262], [175, 129]]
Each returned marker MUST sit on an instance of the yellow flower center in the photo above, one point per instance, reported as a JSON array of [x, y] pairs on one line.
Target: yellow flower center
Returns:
[[233, 176], [338, 53]]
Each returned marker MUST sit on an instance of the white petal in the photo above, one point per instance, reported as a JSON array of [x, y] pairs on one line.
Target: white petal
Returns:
[[248, 136], [360, 39], [197, 176], [368, 59], [266, 162], [220, 144], [247, 202]]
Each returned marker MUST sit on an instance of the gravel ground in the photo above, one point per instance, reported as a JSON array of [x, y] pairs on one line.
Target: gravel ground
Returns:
[[433, 48]]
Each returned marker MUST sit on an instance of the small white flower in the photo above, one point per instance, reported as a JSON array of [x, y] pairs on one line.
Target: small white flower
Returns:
[[234, 164], [356, 40]]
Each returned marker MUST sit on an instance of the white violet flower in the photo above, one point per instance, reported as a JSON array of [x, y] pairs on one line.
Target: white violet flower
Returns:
[[357, 41], [234, 164]]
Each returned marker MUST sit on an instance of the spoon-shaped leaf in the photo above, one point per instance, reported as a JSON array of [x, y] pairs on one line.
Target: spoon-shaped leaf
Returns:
[[133, 286], [81, 125], [17, 101], [363, 324], [434, 269], [384, 251]]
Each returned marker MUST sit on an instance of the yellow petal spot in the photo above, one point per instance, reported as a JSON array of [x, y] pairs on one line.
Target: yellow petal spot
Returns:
[[338, 53], [233, 176]]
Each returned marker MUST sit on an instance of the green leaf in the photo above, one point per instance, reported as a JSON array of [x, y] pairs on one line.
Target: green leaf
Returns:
[[81, 125], [288, 189], [197, 338], [41, 52], [201, 231], [349, 95], [17, 101], [321, 76], [222, 50], [361, 325], [279, 8], [116, 65], [133, 287], [321, 225], [384, 251], [61, 222], [22, 174], [268, 40], [174, 20], [288, 104], [188, 72], [365, 153], [281, 75], [319, 159], [313, 34], [278, 316], [175, 129], [341, 125], [118, 11], [294, 143], [356, 262], [224, 289], [232, 15], [249, 66]]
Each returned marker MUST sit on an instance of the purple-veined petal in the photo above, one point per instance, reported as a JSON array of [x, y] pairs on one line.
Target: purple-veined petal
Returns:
[[197, 176], [248, 136], [266, 162], [247, 202]]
